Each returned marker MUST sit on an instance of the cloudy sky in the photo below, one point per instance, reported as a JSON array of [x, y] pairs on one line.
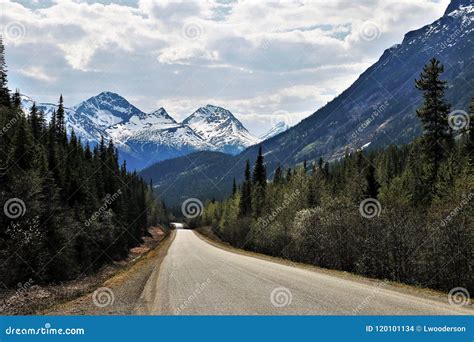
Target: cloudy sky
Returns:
[[264, 61]]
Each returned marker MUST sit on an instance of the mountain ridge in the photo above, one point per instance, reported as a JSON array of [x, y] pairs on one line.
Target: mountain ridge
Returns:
[[144, 138], [377, 110]]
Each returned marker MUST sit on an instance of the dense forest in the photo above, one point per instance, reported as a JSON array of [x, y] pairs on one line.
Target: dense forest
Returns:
[[403, 213], [67, 208]]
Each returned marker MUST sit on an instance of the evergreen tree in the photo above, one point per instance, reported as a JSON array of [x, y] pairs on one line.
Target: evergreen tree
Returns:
[[4, 91], [259, 176], [36, 119], [16, 99], [245, 205], [278, 176], [259, 179], [60, 121], [234, 187], [60, 236], [319, 215], [23, 153], [288, 175], [320, 163], [469, 145], [433, 114]]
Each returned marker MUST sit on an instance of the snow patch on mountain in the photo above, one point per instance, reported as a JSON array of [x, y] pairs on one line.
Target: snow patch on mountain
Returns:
[[221, 128], [280, 127], [83, 127], [144, 138], [106, 109]]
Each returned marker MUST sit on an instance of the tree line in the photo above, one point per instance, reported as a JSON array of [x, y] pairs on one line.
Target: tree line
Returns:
[[68, 207], [403, 213]]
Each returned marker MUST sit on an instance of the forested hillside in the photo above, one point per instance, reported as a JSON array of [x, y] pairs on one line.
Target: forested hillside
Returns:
[[67, 209], [377, 110], [402, 213]]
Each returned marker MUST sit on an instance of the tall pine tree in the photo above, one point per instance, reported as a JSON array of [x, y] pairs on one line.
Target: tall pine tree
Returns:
[[245, 205], [4, 91], [434, 114]]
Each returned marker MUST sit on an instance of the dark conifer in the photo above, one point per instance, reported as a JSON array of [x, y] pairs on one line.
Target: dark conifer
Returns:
[[259, 176], [278, 177], [4, 91], [434, 111]]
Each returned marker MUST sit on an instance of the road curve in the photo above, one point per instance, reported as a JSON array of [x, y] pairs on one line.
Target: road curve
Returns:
[[197, 278]]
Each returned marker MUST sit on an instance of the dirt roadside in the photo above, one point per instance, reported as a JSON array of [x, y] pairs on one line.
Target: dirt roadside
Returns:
[[120, 294], [114, 290]]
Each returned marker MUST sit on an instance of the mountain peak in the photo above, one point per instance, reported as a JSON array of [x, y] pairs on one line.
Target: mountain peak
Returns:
[[275, 130], [455, 5], [161, 113], [212, 113], [108, 93], [219, 126], [107, 109]]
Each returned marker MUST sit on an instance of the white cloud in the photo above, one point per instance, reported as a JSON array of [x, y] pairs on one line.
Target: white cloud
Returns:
[[253, 57], [37, 73]]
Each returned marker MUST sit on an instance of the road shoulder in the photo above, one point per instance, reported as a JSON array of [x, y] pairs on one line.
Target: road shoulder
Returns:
[[119, 294]]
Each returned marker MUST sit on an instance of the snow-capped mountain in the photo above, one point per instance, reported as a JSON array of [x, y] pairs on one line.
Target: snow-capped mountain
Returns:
[[280, 127], [154, 137], [83, 126], [146, 138], [221, 128], [106, 109], [46, 108]]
